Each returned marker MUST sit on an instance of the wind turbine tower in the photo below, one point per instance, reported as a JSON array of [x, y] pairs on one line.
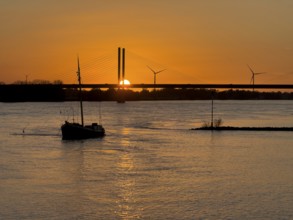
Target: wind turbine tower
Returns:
[[155, 75], [253, 74]]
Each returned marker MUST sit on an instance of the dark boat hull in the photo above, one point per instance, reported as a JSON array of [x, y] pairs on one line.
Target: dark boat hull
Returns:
[[75, 131]]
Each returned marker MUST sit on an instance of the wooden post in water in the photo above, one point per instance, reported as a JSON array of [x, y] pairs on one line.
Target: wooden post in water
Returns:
[[212, 116]]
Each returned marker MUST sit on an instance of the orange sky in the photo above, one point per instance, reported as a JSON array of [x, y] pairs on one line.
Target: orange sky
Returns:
[[196, 41]]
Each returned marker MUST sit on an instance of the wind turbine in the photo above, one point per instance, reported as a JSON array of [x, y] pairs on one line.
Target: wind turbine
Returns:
[[253, 75], [155, 74]]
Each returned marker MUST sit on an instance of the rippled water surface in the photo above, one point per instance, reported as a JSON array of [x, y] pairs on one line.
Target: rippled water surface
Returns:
[[150, 165]]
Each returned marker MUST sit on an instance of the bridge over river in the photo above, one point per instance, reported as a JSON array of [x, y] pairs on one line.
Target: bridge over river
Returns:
[[183, 86], [156, 86]]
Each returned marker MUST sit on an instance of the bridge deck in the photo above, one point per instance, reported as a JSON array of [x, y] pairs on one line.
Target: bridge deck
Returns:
[[187, 86], [164, 86]]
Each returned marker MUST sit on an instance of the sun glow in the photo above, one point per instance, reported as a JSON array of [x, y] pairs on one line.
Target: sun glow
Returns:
[[126, 82]]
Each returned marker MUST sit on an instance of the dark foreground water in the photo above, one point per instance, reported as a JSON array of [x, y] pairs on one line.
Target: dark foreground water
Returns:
[[150, 165]]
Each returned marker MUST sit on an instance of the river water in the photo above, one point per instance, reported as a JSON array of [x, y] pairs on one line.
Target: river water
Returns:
[[150, 165]]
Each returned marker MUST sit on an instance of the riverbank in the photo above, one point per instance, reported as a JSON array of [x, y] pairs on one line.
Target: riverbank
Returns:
[[51, 92], [229, 128]]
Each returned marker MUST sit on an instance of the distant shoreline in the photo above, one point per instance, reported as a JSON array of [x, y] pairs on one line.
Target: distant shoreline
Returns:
[[55, 93], [229, 128]]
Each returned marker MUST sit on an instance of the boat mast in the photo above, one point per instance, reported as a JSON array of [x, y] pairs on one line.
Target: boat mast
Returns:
[[80, 92]]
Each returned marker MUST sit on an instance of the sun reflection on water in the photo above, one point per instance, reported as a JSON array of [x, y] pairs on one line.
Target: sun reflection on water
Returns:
[[127, 207]]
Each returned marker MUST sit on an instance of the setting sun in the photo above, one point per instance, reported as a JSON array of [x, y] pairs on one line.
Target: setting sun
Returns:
[[126, 82]]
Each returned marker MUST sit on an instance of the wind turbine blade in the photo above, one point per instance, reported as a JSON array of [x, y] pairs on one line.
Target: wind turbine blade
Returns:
[[152, 70], [250, 69], [259, 73], [160, 71]]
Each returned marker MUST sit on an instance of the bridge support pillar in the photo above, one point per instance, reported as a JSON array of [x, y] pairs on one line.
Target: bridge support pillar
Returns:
[[121, 76]]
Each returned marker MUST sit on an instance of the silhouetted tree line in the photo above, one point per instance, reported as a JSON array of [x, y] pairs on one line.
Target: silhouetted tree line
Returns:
[[53, 92], [31, 93], [36, 82], [173, 94], [37, 90]]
